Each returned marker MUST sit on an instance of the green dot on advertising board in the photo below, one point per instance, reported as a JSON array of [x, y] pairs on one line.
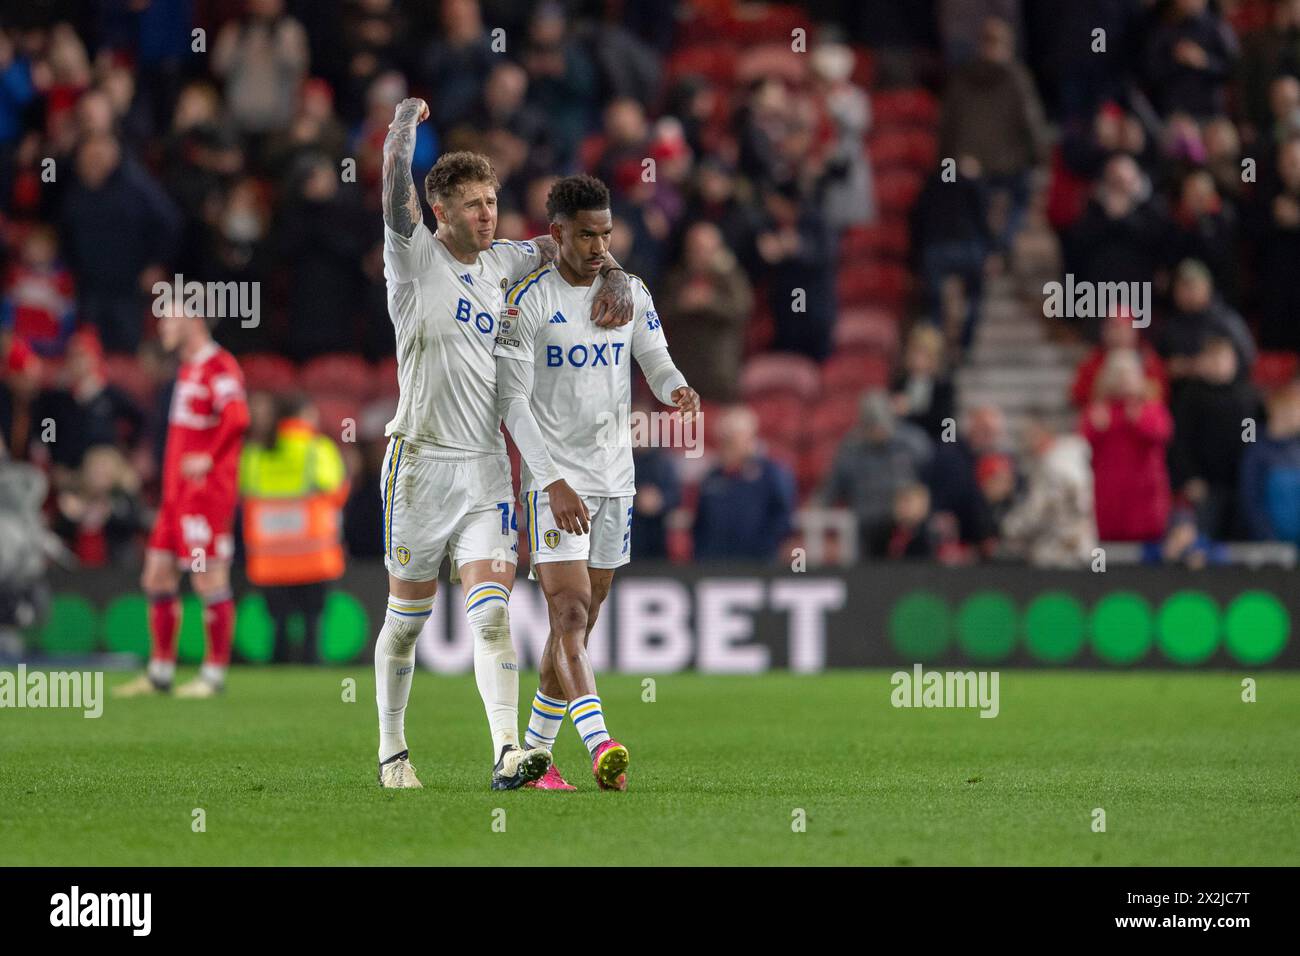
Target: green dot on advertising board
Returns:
[[344, 628], [1187, 627], [1256, 627], [254, 629], [920, 626], [1055, 627], [126, 625], [69, 626], [1122, 628], [190, 647], [986, 626]]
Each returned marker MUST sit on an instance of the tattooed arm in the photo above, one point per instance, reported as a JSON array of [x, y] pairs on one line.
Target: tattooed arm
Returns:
[[612, 306], [401, 201], [547, 248]]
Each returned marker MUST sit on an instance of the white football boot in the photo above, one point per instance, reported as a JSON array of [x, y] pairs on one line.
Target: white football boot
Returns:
[[142, 686], [396, 773], [198, 689]]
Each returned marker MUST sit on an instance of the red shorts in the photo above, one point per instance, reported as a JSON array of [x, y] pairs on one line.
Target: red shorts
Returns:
[[195, 525]]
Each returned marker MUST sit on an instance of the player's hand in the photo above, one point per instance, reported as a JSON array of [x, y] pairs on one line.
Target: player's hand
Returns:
[[687, 401], [612, 306], [410, 112], [196, 465], [570, 513]]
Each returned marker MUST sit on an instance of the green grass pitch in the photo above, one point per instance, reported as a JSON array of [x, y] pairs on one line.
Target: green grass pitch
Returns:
[[284, 770]]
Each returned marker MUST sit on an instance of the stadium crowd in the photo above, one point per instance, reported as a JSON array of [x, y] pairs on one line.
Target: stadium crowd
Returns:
[[786, 202]]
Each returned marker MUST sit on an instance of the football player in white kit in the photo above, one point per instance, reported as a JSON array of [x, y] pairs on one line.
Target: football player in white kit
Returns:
[[564, 387], [446, 477]]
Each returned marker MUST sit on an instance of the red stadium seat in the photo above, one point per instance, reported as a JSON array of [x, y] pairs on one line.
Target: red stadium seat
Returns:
[[888, 238], [1274, 369], [814, 463], [772, 61], [713, 61], [347, 376], [269, 373], [385, 378], [864, 67], [854, 373], [780, 372], [905, 107], [125, 372], [782, 416], [1250, 16], [881, 283], [756, 23], [911, 148], [333, 412], [833, 416], [897, 189], [709, 414], [865, 328]]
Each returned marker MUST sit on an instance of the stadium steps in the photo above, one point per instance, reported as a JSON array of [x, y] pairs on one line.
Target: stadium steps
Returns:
[[1013, 363]]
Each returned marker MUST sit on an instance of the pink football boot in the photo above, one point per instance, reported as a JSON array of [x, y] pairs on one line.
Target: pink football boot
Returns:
[[551, 780], [608, 763]]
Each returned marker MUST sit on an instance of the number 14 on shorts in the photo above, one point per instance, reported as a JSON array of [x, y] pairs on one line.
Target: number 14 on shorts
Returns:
[[509, 517]]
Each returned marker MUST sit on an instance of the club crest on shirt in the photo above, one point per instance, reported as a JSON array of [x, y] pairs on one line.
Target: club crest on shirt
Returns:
[[505, 284], [552, 538], [403, 555]]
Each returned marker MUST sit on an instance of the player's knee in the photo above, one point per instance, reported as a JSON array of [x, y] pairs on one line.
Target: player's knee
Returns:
[[158, 580], [210, 583], [400, 633], [492, 623], [403, 623], [569, 612]]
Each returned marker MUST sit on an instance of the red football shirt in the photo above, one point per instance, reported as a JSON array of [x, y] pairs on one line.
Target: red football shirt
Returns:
[[209, 415]]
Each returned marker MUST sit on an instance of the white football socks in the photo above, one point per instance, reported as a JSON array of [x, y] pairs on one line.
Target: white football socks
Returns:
[[589, 720], [496, 669], [162, 672], [544, 721], [394, 668]]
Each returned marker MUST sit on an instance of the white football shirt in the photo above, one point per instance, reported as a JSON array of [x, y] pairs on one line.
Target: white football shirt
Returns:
[[445, 314], [582, 376]]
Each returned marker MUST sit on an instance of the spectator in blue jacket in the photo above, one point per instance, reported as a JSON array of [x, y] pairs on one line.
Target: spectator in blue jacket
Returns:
[[1269, 489], [1190, 57], [16, 91], [119, 228], [747, 502], [658, 492]]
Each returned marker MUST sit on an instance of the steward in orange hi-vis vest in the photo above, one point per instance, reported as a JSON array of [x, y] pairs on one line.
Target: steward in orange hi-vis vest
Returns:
[[293, 498]]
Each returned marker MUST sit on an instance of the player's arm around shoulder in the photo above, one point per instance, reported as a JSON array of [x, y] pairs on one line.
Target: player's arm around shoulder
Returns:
[[615, 303]]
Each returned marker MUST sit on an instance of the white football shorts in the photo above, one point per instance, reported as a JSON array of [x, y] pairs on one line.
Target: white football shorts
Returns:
[[443, 502], [607, 545]]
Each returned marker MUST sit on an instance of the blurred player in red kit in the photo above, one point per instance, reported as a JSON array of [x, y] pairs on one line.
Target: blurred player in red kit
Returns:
[[209, 415]]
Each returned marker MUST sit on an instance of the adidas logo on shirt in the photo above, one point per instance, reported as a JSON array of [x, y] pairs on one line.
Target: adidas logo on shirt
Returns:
[[558, 319], [466, 279]]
